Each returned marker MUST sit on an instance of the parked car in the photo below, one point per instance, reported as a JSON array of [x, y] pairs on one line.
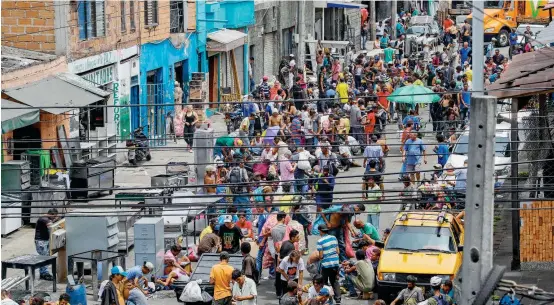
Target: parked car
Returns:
[[417, 32], [502, 156]]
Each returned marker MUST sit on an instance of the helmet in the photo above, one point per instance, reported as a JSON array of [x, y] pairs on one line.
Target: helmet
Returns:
[[436, 281], [265, 78]]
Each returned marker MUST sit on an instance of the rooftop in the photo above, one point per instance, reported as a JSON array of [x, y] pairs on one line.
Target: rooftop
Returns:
[[15, 59]]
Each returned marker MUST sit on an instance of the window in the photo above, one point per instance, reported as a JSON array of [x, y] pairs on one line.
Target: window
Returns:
[[91, 19], [420, 239], [178, 16], [151, 13], [132, 14], [122, 13]]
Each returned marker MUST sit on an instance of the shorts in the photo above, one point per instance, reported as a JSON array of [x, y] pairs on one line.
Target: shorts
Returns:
[[413, 167]]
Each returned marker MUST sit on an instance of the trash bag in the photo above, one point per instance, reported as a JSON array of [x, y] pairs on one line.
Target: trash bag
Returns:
[[206, 297], [192, 293]]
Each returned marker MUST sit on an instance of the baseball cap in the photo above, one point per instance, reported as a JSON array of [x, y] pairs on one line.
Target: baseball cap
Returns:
[[118, 270], [323, 227], [228, 218], [436, 281], [149, 266], [324, 292]]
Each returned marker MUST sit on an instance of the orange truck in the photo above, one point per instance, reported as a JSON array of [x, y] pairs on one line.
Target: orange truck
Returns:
[[504, 15]]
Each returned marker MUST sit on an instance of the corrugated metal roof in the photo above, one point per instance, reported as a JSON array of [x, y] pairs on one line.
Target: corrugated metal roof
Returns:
[[545, 37], [225, 40], [528, 74], [61, 90]]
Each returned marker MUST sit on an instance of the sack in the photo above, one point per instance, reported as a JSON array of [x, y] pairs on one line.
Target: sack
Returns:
[[206, 297], [304, 162], [235, 177], [77, 294], [192, 293]]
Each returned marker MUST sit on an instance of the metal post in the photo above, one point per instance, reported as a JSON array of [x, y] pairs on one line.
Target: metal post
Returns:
[[301, 34], [393, 19], [515, 184], [478, 37], [479, 209], [372, 22]]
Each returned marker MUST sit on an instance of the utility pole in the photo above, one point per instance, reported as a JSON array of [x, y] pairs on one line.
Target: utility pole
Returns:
[[393, 19], [516, 262], [478, 242], [301, 34], [372, 21], [477, 48]]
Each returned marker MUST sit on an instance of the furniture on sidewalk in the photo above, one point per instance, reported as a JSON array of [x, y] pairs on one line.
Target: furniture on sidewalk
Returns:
[[94, 257], [30, 263]]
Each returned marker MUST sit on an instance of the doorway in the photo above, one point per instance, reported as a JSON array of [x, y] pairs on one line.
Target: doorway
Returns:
[[134, 101], [213, 63], [154, 97]]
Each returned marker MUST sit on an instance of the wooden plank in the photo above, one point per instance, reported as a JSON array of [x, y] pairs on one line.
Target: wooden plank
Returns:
[[236, 82]]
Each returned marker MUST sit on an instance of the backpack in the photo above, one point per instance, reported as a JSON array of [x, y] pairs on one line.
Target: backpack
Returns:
[[441, 300], [235, 177]]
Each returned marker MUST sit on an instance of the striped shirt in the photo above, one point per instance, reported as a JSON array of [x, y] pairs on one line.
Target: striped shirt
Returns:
[[328, 244]]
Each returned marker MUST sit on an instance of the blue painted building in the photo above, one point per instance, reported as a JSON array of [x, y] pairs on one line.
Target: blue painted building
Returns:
[[162, 64], [222, 29]]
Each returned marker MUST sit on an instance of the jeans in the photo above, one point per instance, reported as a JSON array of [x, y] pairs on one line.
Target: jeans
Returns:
[[252, 85], [300, 182], [309, 146], [373, 218], [42, 247], [391, 109], [339, 234], [259, 261], [330, 275], [350, 284], [358, 81], [364, 41]]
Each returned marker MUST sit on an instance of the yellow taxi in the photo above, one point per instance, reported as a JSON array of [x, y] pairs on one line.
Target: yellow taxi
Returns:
[[423, 244]]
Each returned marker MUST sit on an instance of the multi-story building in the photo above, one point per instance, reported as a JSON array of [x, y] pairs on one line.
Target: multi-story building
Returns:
[[222, 28], [99, 41], [168, 55]]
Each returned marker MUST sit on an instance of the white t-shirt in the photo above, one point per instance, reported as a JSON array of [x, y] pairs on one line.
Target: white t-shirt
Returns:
[[313, 294], [248, 288], [292, 269]]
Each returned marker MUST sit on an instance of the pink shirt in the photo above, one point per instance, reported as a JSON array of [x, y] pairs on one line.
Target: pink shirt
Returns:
[[285, 167], [336, 68]]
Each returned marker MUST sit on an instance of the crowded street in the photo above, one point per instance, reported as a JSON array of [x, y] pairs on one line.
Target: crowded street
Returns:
[[277, 152]]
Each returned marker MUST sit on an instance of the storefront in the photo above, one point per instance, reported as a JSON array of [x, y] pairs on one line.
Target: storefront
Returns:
[[111, 71]]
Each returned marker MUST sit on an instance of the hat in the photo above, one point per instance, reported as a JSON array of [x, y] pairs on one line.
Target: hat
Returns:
[[291, 55], [374, 138], [466, 63], [224, 255], [118, 270], [227, 218], [437, 166], [149, 266], [323, 227], [265, 78], [436, 281], [324, 292]]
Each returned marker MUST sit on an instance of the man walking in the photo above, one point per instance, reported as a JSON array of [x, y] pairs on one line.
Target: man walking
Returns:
[[413, 150], [328, 249]]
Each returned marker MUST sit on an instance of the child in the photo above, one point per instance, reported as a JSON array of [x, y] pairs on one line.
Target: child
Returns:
[[249, 263]]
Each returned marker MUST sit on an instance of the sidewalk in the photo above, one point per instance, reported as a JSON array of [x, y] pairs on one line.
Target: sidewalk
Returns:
[[503, 256]]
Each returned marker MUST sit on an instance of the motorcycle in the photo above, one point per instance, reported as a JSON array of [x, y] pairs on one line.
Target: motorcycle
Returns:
[[138, 149]]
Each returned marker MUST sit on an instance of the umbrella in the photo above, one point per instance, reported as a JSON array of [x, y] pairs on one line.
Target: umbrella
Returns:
[[414, 94]]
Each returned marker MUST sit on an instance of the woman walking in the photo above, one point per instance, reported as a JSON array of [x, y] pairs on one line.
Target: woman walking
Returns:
[[191, 118]]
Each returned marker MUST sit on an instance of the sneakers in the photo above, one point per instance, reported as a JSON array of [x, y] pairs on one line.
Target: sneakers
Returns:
[[46, 277]]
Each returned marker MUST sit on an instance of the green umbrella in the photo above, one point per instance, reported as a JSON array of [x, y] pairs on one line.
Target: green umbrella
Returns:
[[414, 94]]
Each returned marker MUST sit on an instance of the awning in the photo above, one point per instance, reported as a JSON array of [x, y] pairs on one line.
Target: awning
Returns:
[[338, 4], [64, 91], [225, 40], [17, 118]]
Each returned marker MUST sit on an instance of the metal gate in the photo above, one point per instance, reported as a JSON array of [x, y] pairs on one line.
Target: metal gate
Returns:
[[156, 115], [269, 54]]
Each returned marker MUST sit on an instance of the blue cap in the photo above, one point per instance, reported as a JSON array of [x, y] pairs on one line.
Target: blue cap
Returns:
[[324, 292], [118, 270]]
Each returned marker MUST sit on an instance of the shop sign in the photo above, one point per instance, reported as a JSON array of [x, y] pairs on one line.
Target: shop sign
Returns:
[[93, 62], [100, 77], [116, 110]]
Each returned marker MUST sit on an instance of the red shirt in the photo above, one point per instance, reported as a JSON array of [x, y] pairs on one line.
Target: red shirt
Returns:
[[382, 96], [447, 23], [244, 227]]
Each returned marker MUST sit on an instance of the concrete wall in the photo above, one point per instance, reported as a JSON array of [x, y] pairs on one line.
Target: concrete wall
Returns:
[[354, 18], [114, 38], [272, 17], [20, 18]]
